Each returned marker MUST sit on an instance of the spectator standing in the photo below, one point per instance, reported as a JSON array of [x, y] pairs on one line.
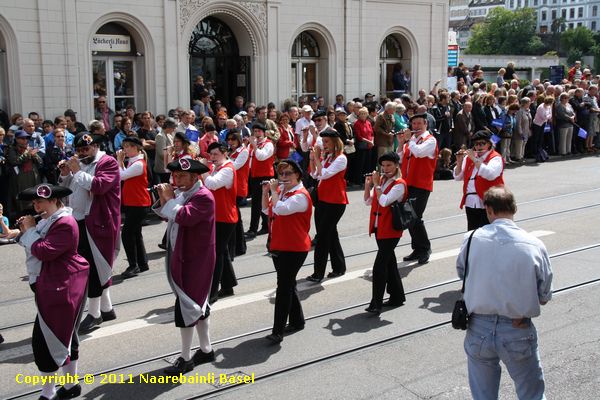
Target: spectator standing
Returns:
[[522, 131], [503, 293], [104, 113], [565, 118], [24, 165]]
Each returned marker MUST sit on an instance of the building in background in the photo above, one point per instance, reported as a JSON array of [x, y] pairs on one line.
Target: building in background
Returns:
[[60, 54]]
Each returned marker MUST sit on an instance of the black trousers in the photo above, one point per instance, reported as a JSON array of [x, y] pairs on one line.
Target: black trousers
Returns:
[[419, 240], [224, 273], [256, 209], [84, 249], [237, 243], [327, 216], [287, 304], [385, 273], [476, 218], [131, 236]]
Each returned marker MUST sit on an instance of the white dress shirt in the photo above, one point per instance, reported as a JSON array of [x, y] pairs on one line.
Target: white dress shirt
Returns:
[[290, 205], [265, 152], [396, 193], [219, 178], [424, 149], [301, 124], [133, 168], [242, 157], [509, 271], [489, 171], [338, 165], [81, 184]]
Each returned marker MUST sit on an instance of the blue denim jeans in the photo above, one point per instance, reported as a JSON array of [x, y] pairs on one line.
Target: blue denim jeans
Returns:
[[491, 338]]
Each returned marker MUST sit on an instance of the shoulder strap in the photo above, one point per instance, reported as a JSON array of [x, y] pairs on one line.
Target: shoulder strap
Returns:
[[467, 261]]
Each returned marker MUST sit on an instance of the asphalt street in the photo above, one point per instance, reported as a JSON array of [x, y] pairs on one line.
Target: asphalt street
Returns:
[[407, 353]]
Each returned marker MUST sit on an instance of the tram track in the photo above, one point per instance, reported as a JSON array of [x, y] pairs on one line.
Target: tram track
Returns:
[[265, 273], [334, 355]]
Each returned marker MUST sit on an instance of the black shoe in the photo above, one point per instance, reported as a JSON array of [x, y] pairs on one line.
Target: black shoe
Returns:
[[313, 278], [89, 323], [293, 328], [108, 315], [390, 303], [180, 367], [335, 274], [162, 246], [250, 235], [373, 310], [225, 293], [144, 268], [263, 231], [275, 338], [412, 256], [64, 393], [130, 272], [213, 300], [1, 339], [424, 258], [201, 357]]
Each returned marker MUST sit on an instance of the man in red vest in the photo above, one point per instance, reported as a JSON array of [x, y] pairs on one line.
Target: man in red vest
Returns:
[[262, 156], [419, 154], [480, 170]]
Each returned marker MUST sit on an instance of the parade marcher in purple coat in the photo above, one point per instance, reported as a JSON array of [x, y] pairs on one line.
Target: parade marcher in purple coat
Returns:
[[191, 254], [58, 276], [94, 178]]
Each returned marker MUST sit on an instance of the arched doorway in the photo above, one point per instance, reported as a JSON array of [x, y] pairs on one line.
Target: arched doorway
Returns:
[[305, 66], [118, 70], [215, 55], [395, 57]]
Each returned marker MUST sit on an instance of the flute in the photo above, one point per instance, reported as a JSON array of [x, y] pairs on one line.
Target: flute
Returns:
[[34, 217]]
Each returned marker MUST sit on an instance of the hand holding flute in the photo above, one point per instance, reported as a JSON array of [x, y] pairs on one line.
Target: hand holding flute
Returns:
[[28, 221]]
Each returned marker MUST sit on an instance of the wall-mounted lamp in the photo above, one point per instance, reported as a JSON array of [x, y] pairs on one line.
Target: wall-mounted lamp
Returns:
[[2, 51], [94, 53], [138, 54]]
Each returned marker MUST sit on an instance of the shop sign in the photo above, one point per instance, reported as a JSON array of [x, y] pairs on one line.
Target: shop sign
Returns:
[[111, 43]]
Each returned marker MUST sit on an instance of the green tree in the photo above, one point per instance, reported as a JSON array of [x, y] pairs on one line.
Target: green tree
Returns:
[[581, 38], [573, 55], [506, 32]]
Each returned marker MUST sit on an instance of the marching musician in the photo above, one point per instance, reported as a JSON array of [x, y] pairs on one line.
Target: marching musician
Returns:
[[238, 153], [190, 209], [289, 209], [93, 176], [419, 155], [58, 275], [381, 190], [329, 167], [222, 182], [481, 169]]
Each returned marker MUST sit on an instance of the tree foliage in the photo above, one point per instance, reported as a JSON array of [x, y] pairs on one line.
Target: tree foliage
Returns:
[[581, 38], [506, 32]]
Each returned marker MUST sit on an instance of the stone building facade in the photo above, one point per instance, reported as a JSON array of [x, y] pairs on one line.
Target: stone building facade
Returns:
[[58, 54]]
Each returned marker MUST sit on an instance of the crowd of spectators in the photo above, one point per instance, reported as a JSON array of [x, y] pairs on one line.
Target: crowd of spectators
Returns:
[[532, 121]]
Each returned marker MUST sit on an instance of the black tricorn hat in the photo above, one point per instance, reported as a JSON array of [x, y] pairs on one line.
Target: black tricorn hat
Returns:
[[181, 136], [187, 165], [482, 135], [389, 156], [44, 191], [292, 163], [87, 139], [133, 140], [329, 132]]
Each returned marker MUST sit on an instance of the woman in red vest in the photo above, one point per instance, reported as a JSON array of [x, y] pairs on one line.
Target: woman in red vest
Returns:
[[289, 210], [135, 199], [380, 192], [331, 192], [481, 169], [285, 144], [221, 181], [238, 153]]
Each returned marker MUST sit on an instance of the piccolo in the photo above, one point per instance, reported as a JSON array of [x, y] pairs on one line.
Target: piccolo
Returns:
[[34, 216], [153, 188]]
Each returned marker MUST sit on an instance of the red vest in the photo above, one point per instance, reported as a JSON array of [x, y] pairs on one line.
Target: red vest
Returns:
[[290, 232], [481, 184], [418, 172], [225, 207], [135, 190], [385, 229], [242, 175], [333, 190], [262, 168]]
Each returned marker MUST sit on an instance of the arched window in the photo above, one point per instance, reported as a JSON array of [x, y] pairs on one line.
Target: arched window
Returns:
[[211, 37], [305, 62], [394, 66]]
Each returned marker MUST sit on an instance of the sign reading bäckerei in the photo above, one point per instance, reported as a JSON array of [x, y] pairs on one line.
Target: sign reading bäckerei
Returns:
[[116, 43]]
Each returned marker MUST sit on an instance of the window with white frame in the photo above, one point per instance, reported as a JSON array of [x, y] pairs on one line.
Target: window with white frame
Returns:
[[305, 63]]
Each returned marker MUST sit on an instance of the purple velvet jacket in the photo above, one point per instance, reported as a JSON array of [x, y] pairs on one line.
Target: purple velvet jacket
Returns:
[[60, 288], [193, 259]]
